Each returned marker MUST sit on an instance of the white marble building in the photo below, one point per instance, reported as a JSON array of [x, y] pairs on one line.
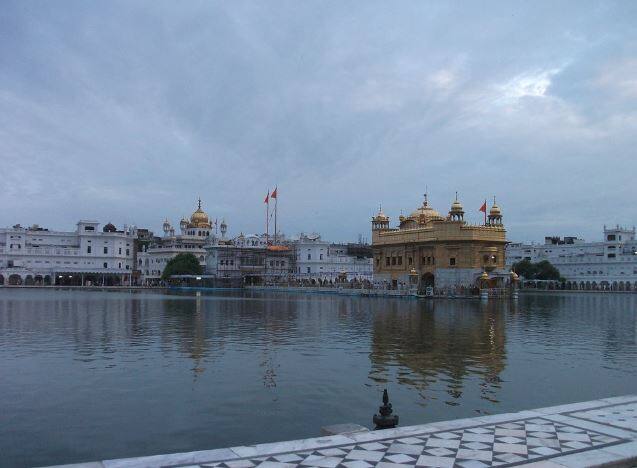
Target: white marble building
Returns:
[[319, 259], [195, 233], [85, 256], [250, 259], [610, 264]]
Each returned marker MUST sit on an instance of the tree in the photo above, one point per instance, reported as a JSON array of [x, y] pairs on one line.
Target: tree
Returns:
[[182, 264], [525, 269], [546, 271], [543, 270]]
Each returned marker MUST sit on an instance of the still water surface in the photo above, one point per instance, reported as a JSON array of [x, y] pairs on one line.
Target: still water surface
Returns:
[[90, 375]]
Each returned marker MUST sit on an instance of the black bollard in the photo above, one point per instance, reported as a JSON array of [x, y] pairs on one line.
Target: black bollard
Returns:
[[385, 420]]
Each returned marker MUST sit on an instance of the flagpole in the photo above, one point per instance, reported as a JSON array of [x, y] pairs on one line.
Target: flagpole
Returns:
[[485, 211], [276, 204], [267, 218]]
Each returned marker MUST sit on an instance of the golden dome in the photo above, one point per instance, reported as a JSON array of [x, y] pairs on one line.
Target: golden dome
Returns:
[[514, 275], [484, 276], [425, 213], [380, 216], [456, 207], [495, 210], [199, 219]]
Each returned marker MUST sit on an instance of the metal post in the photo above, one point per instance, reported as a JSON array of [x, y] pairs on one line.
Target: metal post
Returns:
[[385, 420]]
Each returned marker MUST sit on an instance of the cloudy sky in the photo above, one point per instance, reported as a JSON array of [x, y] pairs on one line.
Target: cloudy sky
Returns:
[[128, 111]]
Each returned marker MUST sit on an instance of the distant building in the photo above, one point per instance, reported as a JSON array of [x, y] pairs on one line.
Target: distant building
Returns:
[[85, 256], [144, 239], [610, 264], [318, 259], [249, 260], [439, 251], [195, 233]]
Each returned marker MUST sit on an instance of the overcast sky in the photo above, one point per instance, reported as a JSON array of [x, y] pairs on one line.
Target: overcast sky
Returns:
[[128, 111]]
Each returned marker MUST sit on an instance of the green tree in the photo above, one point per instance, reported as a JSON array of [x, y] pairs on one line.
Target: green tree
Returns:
[[543, 270], [525, 269], [182, 264], [546, 271]]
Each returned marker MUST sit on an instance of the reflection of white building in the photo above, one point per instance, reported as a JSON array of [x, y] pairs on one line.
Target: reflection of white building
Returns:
[[609, 264], [87, 255], [195, 233], [319, 259]]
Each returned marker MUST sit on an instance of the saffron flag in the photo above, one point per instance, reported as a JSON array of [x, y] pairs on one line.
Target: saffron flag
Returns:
[[274, 193], [483, 208], [267, 198]]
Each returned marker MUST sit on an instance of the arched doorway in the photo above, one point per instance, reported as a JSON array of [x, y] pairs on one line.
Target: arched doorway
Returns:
[[15, 280], [427, 280], [91, 280], [47, 280], [1, 280], [28, 281]]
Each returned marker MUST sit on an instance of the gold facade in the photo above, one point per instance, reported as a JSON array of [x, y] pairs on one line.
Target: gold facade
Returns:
[[442, 251]]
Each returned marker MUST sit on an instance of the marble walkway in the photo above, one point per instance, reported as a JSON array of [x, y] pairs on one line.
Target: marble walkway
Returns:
[[593, 433]]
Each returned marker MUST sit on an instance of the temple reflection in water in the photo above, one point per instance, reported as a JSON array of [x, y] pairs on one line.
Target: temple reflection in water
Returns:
[[443, 343]]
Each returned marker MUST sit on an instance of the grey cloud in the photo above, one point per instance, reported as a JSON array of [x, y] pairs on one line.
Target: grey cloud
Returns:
[[127, 111]]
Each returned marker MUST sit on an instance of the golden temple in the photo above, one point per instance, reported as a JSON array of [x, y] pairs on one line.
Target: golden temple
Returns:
[[444, 252]]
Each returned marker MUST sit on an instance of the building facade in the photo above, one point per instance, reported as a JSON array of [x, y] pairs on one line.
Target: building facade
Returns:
[[317, 259], [444, 252], [195, 233], [249, 260], [85, 256], [610, 264]]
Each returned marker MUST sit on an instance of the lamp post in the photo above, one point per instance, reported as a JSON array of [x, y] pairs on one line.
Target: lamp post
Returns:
[[484, 286], [514, 284]]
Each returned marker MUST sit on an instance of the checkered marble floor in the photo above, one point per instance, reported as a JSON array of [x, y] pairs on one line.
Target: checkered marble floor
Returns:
[[623, 416], [590, 433], [505, 444]]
